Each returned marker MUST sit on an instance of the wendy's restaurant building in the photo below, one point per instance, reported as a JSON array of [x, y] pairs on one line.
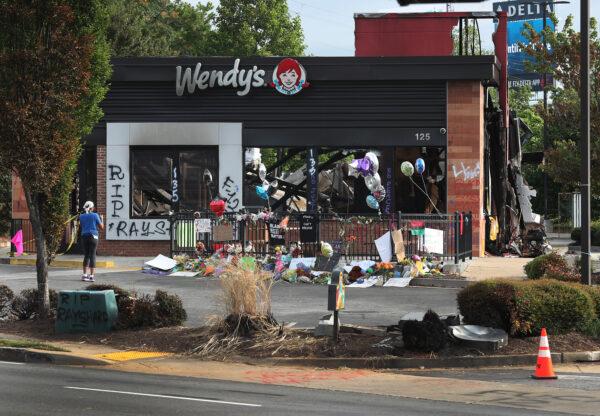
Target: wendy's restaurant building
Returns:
[[179, 132]]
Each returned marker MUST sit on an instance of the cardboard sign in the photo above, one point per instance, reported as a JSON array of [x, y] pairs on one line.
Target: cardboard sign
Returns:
[[309, 228], [85, 311], [222, 232], [276, 235], [434, 241]]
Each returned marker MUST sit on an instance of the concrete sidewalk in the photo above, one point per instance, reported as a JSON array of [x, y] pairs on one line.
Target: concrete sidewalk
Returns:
[[483, 268]]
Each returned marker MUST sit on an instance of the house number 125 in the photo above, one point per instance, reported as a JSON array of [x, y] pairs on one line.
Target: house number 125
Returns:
[[423, 137]]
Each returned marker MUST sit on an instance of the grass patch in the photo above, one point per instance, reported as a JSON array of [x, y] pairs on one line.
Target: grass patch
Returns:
[[25, 343]]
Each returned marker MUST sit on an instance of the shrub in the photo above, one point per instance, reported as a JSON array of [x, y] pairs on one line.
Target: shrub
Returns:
[[6, 297], [488, 303], [24, 306], [555, 272], [595, 230], [536, 268], [169, 309], [245, 291], [428, 335], [105, 286], [523, 308], [594, 294]]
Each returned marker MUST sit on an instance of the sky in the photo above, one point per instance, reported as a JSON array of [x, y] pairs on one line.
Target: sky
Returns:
[[329, 24]]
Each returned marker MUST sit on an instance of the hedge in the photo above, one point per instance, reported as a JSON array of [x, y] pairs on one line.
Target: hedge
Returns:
[[537, 267], [524, 308], [595, 229]]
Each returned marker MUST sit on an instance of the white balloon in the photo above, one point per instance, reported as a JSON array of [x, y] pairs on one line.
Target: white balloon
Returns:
[[352, 169], [262, 172], [374, 161], [265, 185], [373, 181], [379, 193]]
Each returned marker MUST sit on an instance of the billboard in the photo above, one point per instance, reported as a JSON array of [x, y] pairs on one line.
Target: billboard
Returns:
[[519, 14]]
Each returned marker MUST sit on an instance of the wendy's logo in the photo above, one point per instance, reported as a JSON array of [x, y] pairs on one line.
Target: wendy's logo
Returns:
[[289, 77]]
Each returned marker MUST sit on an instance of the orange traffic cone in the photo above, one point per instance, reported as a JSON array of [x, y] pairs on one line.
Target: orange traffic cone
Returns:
[[543, 369]]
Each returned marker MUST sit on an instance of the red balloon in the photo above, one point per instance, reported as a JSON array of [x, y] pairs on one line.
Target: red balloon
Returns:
[[217, 206]]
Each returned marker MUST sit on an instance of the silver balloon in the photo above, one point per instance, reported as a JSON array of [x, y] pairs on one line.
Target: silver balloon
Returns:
[[373, 181], [265, 185], [374, 161], [353, 168], [274, 184], [379, 193], [262, 172]]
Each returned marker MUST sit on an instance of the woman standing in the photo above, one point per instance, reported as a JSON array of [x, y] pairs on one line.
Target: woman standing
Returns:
[[90, 223]]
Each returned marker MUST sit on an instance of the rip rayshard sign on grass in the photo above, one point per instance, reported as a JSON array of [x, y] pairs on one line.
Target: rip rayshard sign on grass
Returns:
[[289, 78]]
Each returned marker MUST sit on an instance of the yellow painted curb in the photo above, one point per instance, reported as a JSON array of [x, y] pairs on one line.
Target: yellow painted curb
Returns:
[[131, 355], [70, 264]]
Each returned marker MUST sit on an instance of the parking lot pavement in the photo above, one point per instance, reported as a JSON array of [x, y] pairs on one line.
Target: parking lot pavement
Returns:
[[300, 303]]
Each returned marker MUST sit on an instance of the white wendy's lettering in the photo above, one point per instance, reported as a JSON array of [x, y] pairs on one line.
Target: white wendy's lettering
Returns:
[[243, 79]]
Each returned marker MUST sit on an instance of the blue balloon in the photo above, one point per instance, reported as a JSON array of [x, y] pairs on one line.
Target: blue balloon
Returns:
[[420, 166], [372, 202], [262, 193]]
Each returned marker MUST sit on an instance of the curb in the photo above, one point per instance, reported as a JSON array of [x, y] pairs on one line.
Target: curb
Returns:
[[430, 363], [68, 264], [24, 355], [439, 282]]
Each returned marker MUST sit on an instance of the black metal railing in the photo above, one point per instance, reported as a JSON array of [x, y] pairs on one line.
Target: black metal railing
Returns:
[[353, 236]]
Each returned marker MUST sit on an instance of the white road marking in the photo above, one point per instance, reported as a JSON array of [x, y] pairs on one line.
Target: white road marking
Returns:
[[164, 396], [11, 362], [577, 377]]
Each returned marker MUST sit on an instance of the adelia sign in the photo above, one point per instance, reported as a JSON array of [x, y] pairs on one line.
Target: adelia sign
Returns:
[[520, 13], [289, 78]]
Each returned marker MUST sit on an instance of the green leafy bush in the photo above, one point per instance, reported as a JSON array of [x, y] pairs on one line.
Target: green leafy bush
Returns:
[[537, 267], [105, 286], [169, 309], [524, 308], [6, 297], [24, 306], [595, 231]]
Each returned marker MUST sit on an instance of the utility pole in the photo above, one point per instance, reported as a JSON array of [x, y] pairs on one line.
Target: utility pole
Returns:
[[586, 276], [545, 131]]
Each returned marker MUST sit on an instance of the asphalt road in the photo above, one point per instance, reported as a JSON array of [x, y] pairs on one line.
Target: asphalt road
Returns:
[[300, 303], [28, 390]]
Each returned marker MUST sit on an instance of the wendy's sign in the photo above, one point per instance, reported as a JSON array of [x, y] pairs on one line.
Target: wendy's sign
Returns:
[[289, 78]]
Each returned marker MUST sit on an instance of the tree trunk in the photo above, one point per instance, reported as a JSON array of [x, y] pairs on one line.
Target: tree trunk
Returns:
[[41, 264]]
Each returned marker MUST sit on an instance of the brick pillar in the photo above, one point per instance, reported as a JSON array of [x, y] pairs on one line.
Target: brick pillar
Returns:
[[101, 194], [465, 155]]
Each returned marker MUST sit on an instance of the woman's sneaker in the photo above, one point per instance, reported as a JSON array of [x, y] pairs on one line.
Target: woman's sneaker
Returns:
[[90, 278], [84, 277]]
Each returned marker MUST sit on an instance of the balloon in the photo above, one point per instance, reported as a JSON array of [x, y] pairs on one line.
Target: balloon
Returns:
[[373, 181], [407, 168], [207, 176], [326, 249], [266, 185], [372, 157], [372, 202], [359, 167], [217, 206], [420, 166], [379, 193], [262, 172], [262, 193], [272, 187]]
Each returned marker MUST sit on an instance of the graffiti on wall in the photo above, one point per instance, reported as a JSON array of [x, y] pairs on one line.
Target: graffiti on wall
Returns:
[[119, 225], [231, 192], [466, 172]]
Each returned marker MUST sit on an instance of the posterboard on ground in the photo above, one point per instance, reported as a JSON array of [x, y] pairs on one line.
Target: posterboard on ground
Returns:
[[433, 241], [398, 282], [161, 262], [366, 283], [184, 274], [307, 261]]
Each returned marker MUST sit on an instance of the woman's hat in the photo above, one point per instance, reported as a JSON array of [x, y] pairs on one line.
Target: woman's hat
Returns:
[[88, 205]]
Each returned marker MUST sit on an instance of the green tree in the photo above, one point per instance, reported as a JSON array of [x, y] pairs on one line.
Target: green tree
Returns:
[[562, 60], [54, 68], [257, 28], [141, 28], [193, 33]]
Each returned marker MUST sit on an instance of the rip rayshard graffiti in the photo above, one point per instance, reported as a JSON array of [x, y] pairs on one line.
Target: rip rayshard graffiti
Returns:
[[86, 311], [119, 225]]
